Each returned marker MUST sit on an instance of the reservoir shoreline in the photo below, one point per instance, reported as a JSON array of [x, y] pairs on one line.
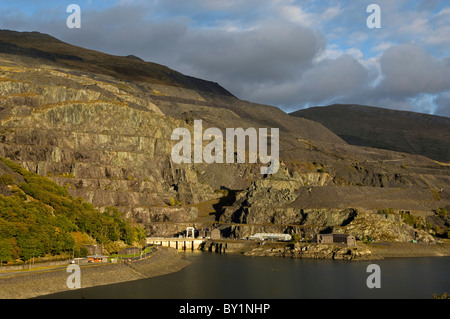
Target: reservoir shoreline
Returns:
[[49, 281], [168, 260], [361, 251]]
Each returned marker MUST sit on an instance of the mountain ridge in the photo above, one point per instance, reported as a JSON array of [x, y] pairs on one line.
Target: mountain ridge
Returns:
[[35, 44], [404, 131]]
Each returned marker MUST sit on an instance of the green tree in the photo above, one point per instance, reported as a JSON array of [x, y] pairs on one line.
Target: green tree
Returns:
[[6, 250]]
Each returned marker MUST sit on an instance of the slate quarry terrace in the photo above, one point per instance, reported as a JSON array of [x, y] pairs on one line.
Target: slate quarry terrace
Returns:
[[213, 152]]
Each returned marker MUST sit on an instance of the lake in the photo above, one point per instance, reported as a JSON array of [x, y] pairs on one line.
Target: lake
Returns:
[[229, 276]]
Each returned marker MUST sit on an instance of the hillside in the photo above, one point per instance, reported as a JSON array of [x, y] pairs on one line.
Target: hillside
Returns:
[[402, 131], [25, 45], [101, 126], [39, 218]]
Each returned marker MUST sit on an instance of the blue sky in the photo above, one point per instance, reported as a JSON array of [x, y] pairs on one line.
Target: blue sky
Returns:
[[288, 53]]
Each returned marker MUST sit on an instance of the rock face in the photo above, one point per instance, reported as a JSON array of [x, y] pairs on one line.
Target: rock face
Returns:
[[276, 204], [101, 125], [104, 144], [315, 251]]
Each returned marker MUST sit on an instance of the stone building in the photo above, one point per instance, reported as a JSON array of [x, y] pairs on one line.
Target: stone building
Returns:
[[204, 233], [335, 239], [94, 249], [215, 233]]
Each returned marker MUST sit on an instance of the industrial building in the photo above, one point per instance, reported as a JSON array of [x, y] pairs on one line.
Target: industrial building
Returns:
[[97, 258], [210, 233], [271, 236]]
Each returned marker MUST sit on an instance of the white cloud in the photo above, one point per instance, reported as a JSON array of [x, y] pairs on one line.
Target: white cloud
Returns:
[[298, 14], [418, 26], [443, 12], [409, 70], [383, 46]]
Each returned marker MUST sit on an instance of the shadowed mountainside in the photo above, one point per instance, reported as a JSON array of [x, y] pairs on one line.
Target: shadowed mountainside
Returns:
[[402, 131]]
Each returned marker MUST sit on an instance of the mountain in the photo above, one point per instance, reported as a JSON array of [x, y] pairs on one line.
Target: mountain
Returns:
[[402, 131], [130, 68], [101, 126]]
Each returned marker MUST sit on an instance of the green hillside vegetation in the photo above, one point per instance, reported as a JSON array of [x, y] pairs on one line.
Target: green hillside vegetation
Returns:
[[40, 218]]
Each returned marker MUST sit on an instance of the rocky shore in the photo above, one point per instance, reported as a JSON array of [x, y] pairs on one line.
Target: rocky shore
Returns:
[[316, 251], [408, 250], [45, 282], [362, 251]]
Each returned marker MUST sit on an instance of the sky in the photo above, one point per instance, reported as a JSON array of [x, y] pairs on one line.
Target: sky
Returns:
[[287, 53]]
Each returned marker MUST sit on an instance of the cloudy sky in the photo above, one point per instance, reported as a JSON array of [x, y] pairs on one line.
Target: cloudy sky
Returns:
[[287, 53]]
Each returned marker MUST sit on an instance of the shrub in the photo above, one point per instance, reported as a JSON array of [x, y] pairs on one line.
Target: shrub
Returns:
[[442, 212], [441, 296], [386, 211], [7, 179], [174, 202], [408, 219]]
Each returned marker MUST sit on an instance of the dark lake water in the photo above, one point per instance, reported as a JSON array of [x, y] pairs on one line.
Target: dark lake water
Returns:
[[228, 276]]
